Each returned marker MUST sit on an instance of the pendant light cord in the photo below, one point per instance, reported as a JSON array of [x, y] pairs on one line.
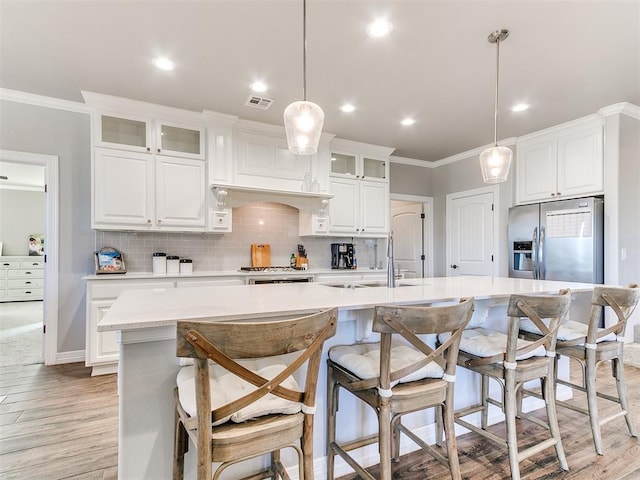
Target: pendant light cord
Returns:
[[304, 50], [495, 124]]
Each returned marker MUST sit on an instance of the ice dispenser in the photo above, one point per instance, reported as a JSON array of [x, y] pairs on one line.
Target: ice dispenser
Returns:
[[522, 256]]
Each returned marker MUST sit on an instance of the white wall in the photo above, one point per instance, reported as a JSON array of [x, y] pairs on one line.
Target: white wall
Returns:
[[35, 129], [21, 215]]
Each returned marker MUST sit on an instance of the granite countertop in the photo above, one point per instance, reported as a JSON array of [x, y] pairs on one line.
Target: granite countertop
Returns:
[[136, 309]]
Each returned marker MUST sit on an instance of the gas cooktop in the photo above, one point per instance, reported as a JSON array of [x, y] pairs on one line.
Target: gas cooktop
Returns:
[[269, 269]]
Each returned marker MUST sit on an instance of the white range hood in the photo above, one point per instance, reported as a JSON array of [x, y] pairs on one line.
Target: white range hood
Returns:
[[230, 196]]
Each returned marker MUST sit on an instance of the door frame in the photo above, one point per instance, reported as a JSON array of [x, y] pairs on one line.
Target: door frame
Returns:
[[51, 232], [427, 233], [495, 189]]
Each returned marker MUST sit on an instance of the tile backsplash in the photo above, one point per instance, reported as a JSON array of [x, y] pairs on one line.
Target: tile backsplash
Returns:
[[272, 223]]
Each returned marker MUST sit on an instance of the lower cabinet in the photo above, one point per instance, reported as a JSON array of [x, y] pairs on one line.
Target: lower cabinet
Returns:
[[101, 348], [21, 278]]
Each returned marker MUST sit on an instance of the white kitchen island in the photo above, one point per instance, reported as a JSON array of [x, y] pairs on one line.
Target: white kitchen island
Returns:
[[145, 321]]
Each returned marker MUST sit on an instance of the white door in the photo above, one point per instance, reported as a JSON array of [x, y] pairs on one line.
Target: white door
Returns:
[[471, 240], [407, 224]]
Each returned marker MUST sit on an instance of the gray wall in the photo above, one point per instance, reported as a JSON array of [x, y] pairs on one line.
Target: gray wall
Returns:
[[33, 129], [629, 207], [21, 215], [410, 179], [461, 176]]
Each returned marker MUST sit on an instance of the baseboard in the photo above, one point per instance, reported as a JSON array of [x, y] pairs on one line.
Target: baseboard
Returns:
[[69, 357]]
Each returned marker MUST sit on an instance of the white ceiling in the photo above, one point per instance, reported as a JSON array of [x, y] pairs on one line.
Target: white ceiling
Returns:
[[565, 58]]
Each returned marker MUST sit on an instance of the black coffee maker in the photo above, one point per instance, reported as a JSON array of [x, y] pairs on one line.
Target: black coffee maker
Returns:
[[342, 256]]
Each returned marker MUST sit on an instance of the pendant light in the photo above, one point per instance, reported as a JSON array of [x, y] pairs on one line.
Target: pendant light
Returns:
[[303, 120], [495, 161]]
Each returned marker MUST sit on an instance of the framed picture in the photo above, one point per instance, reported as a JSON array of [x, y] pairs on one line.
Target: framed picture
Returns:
[[36, 245], [109, 260]]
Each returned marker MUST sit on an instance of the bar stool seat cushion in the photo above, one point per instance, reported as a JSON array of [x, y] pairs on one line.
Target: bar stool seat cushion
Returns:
[[483, 342], [226, 387], [569, 330], [363, 360]]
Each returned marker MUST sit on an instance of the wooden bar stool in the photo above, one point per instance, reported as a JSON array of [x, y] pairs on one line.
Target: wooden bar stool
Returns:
[[591, 345], [398, 377], [512, 362], [248, 404]]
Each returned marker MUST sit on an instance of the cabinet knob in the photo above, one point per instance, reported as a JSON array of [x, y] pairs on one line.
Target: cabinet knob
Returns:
[[558, 193], [159, 221], [158, 150], [148, 221], [148, 149], [27, 273], [553, 194]]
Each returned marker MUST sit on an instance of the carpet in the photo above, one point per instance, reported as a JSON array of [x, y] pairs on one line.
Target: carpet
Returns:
[[20, 333]]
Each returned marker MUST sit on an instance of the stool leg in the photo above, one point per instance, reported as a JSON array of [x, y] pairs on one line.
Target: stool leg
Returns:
[[384, 438], [449, 429], [592, 399], [395, 438], [622, 392], [332, 409], [484, 393], [439, 427], [510, 411], [179, 448], [552, 417]]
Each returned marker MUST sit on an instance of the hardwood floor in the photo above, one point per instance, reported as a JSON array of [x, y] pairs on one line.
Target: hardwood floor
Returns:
[[59, 422], [483, 460]]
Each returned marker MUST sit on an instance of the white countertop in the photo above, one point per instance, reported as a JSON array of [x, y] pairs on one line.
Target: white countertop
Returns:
[[135, 309], [232, 273]]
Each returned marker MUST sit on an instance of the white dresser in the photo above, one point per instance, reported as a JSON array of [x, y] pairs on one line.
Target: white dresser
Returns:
[[21, 278]]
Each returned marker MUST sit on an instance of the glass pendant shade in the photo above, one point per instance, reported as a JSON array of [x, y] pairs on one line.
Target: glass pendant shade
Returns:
[[303, 123], [495, 163]]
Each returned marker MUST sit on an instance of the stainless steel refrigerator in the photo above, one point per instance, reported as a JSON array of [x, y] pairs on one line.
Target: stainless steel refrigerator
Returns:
[[560, 240]]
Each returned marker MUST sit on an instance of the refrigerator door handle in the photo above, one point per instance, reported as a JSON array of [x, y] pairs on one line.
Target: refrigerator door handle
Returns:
[[543, 272], [534, 253]]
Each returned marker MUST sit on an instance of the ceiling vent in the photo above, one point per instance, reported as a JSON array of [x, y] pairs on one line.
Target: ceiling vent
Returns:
[[258, 102]]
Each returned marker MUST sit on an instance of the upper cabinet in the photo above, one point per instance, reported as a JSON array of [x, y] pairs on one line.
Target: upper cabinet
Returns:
[[149, 169], [359, 181], [150, 136], [561, 162]]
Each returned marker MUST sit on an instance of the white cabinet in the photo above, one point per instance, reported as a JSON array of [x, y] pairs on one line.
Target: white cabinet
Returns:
[[101, 348], [149, 168], [561, 162], [21, 278], [141, 134], [359, 181], [137, 191]]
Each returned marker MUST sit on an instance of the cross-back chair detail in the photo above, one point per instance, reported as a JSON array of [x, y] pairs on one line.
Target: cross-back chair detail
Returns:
[[228, 344], [423, 381], [516, 362], [589, 344]]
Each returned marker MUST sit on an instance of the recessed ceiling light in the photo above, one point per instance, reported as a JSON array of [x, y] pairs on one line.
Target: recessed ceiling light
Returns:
[[347, 108], [259, 86], [520, 107], [164, 63], [379, 28], [407, 121]]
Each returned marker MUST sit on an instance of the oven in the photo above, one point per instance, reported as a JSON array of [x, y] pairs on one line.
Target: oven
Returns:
[[262, 280]]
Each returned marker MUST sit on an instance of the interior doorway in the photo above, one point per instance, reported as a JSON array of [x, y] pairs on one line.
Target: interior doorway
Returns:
[[412, 226], [48, 308]]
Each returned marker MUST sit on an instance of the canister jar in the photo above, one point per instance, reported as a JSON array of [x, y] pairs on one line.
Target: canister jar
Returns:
[[173, 264], [186, 265], [159, 263]]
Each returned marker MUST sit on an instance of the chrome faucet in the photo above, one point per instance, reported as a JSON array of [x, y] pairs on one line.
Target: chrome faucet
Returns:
[[391, 271]]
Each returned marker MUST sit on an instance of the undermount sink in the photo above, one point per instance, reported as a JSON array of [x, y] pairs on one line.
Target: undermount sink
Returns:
[[352, 286]]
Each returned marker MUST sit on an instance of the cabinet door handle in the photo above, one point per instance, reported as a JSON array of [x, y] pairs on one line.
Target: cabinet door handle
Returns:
[[6, 264], [27, 293], [27, 283], [27, 273]]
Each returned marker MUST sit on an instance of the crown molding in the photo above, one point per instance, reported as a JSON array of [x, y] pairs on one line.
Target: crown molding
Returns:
[[42, 101], [411, 161], [473, 153], [624, 108]]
